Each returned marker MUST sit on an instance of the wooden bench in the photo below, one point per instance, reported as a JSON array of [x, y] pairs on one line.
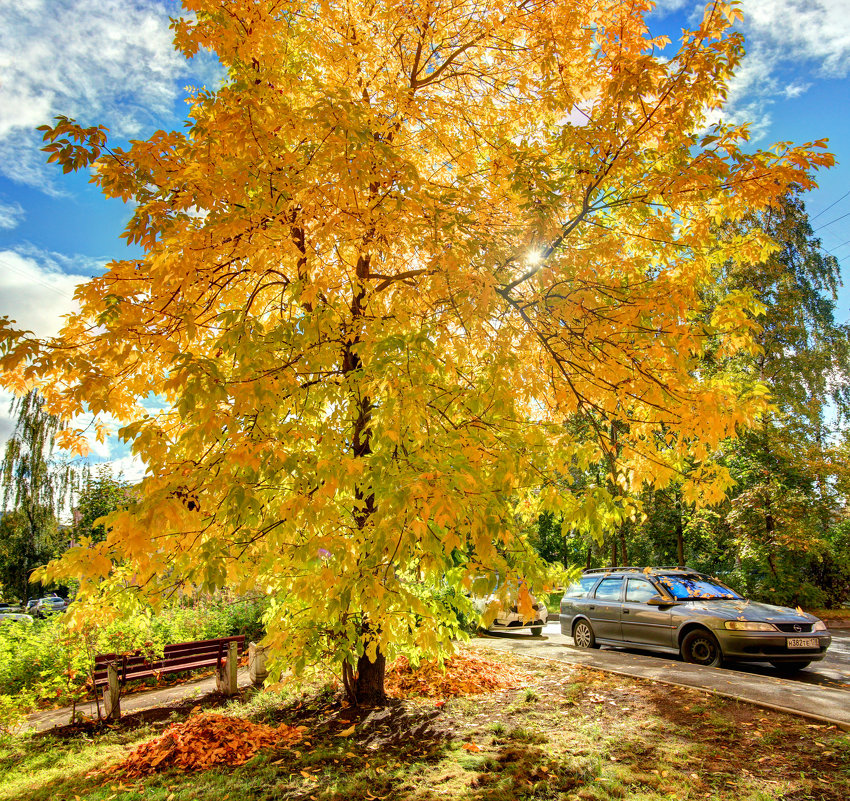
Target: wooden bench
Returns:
[[112, 671]]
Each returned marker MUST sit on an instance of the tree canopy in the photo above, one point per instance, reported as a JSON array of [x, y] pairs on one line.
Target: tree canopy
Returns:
[[406, 269]]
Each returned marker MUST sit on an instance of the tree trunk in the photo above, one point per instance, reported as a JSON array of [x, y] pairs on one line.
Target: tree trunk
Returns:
[[369, 684], [680, 540]]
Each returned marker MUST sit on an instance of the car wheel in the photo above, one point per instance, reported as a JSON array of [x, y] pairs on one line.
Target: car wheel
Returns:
[[790, 668], [700, 647], [536, 631], [583, 635]]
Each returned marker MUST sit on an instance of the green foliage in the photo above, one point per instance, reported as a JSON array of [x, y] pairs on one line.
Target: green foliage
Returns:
[[553, 541], [100, 494], [778, 535], [27, 540], [49, 663]]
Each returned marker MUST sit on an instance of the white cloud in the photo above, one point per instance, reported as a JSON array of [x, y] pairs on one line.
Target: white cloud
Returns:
[[669, 6], [35, 292], [817, 31], [130, 467], [100, 61], [782, 36], [795, 89], [10, 215]]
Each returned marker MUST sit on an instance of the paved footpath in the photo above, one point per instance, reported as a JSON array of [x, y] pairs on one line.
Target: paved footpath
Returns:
[[798, 698], [168, 696]]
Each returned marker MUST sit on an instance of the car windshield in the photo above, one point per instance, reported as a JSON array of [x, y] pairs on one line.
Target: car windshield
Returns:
[[687, 588]]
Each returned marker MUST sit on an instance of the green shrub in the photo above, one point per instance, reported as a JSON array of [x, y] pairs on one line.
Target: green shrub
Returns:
[[46, 664]]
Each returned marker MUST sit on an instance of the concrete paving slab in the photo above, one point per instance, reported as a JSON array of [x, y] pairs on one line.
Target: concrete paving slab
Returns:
[[812, 701]]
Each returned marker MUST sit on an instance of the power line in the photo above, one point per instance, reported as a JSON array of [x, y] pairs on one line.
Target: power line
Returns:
[[832, 221], [36, 280], [812, 219]]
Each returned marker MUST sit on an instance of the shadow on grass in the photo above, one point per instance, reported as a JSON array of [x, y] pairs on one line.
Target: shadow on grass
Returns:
[[400, 752]]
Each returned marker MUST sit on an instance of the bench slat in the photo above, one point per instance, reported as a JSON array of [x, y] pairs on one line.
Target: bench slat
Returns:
[[177, 657], [158, 664]]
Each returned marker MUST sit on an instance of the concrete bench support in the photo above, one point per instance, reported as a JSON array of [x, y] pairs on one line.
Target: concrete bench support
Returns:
[[257, 664], [112, 694], [225, 680]]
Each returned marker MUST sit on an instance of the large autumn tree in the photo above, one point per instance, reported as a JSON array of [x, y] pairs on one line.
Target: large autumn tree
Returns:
[[385, 263]]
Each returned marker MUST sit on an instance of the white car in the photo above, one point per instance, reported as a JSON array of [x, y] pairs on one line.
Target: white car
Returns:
[[511, 619], [15, 617]]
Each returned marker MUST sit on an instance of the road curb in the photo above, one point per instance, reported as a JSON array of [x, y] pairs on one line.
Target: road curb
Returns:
[[845, 726]]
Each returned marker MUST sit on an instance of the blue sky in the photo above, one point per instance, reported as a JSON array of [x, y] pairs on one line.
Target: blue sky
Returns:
[[111, 62]]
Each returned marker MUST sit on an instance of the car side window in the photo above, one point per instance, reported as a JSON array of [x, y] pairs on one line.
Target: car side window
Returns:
[[609, 589], [581, 588], [639, 591]]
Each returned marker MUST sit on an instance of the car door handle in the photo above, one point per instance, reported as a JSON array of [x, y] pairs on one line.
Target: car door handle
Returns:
[[625, 611], [591, 607]]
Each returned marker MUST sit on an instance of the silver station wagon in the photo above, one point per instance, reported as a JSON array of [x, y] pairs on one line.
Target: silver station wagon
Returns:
[[680, 611]]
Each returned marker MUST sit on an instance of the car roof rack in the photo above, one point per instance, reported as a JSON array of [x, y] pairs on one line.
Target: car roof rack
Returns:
[[636, 569]]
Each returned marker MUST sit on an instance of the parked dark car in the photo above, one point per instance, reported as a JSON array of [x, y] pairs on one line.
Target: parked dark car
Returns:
[[681, 611]]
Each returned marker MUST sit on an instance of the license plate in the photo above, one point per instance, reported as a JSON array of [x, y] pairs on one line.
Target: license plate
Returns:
[[802, 642]]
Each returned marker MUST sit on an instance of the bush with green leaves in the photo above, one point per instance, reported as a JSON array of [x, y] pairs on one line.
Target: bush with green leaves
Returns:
[[47, 663]]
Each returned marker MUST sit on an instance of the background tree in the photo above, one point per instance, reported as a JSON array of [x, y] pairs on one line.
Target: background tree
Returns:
[[36, 486], [100, 494], [383, 266], [786, 502], [775, 534]]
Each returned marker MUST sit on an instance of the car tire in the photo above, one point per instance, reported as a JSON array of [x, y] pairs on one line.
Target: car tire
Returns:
[[536, 631], [789, 668], [583, 635], [700, 647]]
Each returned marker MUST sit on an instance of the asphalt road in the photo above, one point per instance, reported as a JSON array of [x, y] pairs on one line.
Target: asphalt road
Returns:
[[833, 671], [821, 692]]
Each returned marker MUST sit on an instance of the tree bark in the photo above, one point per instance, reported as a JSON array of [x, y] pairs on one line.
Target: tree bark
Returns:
[[369, 684], [680, 540]]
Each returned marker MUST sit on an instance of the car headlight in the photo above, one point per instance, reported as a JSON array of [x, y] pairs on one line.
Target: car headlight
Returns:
[[819, 626], [748, 625]]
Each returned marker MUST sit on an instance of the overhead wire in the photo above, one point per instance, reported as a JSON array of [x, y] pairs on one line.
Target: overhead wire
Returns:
[[834, 202], [36, 280], [821, 227]]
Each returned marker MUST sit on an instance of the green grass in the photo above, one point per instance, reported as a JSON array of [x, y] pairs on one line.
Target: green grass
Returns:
[[576, 737]]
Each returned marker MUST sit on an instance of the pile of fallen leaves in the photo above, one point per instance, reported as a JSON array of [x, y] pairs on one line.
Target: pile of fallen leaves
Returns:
[[204, 741], [464, 674]]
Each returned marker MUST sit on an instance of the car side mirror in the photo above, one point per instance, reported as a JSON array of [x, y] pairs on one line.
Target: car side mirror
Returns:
[[659, 600]]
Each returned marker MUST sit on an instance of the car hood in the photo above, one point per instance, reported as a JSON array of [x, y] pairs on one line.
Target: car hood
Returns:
[[748, 610]]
